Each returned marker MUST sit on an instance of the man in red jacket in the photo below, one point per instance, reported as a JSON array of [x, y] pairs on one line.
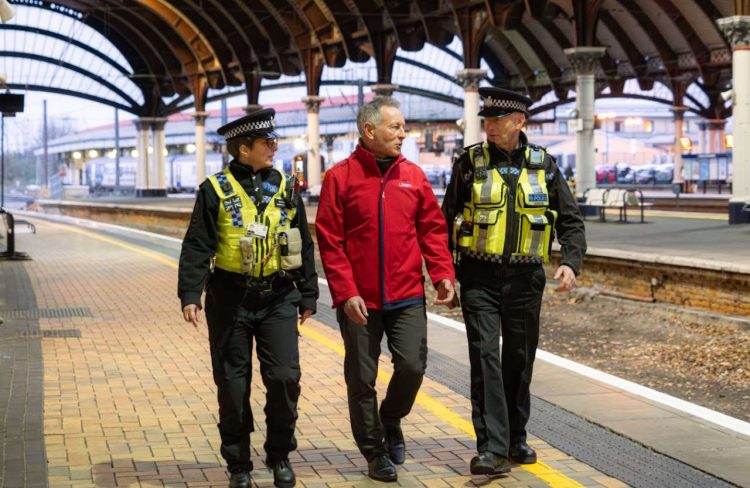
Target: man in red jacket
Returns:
[[377, 219]]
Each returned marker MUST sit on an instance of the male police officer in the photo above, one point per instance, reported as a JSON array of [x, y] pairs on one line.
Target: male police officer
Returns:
[[505, 201], [248, 219]]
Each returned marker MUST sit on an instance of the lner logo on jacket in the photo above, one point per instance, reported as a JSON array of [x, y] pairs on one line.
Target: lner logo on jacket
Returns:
[[373, 230]]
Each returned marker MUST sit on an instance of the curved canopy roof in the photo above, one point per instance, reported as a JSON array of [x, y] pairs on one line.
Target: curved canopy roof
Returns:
[[156, 57]]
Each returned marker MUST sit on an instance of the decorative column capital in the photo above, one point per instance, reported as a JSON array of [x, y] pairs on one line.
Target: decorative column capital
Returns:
[[716, 124], [585, 59], [153, 123], [469, 78], [736, 29], [200, 118], [679, 111], [312, 103], [383, 90]]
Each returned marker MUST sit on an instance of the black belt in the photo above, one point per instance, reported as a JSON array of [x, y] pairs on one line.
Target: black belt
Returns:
[[269, 284]]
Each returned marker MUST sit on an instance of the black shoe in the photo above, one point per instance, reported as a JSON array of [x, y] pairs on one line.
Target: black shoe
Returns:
[[489, 463], [283, 475], [521, 453], [394, 442], [381, 469], [240, 479]]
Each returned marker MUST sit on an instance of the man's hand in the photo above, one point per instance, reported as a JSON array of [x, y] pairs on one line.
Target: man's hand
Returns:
[[304, 316], [445, 293], [355, 309], [191, 313], [566, 276]]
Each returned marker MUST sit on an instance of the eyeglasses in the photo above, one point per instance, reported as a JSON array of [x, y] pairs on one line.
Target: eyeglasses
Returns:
[[272, 143]]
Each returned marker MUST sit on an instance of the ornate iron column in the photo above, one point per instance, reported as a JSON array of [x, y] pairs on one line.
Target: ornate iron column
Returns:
[[737, 31], [585, 59], [469, 79], [158, 160], [142, 183], [200, 147], [313, 139], [679, 128]]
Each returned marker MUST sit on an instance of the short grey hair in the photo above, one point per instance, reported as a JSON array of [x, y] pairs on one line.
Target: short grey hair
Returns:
[[370, 112]]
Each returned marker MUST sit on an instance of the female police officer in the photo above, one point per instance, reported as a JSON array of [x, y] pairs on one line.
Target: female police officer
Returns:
[[505, 201], [248, 219]]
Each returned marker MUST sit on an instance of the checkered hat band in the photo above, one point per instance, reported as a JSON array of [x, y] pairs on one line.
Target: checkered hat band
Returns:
[[249, 127], [503, 103]]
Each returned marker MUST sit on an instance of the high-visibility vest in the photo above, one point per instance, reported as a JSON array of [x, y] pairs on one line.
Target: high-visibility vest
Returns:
[[238, 214], [503, 224]]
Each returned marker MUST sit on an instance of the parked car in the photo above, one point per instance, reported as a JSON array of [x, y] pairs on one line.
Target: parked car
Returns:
[[625, 174], [664, 173], [644, 175], [605, 175]]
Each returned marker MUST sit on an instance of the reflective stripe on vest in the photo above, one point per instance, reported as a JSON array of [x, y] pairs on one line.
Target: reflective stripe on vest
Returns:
[[485, 218], [236, 212]]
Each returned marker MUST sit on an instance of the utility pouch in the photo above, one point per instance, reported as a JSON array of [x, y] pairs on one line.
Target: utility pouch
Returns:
[[534, 236], [290, 248], [246, 252]]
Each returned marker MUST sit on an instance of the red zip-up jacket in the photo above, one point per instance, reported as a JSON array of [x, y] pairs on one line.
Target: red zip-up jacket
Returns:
[[374, 229]]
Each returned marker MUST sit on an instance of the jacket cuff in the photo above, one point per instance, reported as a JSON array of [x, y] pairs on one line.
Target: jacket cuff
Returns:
[[191, 298], [308, 303], [571, 266]]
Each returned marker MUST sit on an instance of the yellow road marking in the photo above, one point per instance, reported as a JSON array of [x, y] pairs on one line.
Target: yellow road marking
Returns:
[[541, 470]]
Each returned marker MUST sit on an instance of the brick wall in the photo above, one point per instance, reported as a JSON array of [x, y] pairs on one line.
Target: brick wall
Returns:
[[720, 291]]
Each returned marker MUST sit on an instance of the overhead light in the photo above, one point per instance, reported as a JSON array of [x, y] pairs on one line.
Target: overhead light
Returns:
[[112, 154], [729, 141], [134, 153], [686, 143], [76, 154], [6, 11], [190, 148], [93, 153]]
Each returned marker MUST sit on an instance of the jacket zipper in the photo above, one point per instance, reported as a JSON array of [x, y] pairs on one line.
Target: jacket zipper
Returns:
[[381, 218]]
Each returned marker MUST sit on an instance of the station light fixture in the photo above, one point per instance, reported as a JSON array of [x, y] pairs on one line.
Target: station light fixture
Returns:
[[190, 148], [134, 153], [93, 153], [77, 155], [729, 141], [112, 154], [686, 143]]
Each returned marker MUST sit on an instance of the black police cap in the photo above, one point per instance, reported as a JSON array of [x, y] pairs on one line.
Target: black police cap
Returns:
[[497, 102], [258, 123]]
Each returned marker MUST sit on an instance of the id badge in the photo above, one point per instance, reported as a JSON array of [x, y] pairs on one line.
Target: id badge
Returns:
[[257, 230]]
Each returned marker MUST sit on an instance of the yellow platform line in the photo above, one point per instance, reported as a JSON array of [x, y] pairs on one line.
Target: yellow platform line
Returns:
[[541, 470]]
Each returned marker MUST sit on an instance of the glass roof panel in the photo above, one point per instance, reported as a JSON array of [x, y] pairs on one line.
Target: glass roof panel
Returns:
[[68, 26], [22, 71], [38, 72]]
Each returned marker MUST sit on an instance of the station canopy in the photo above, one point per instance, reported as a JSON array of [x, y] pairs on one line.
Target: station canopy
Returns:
[[154, 58]]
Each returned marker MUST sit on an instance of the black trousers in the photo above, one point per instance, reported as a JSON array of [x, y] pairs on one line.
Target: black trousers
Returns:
[[406, 332], [499, 299], [233, 324]]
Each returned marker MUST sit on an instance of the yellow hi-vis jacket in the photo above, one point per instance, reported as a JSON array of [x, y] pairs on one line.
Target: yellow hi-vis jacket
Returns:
[[504, 224], [237, 213]]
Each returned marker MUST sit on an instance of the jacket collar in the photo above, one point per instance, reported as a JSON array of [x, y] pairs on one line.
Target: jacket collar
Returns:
[[523, 141], [367, 158]]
